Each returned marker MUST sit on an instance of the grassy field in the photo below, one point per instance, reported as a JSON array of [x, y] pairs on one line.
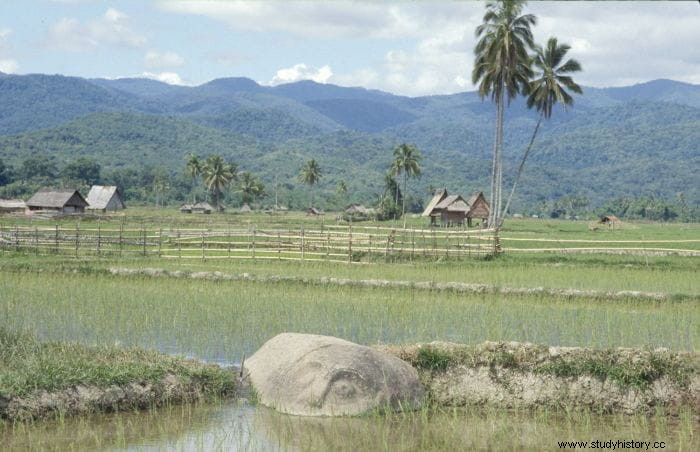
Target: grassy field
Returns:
[[222, 320]]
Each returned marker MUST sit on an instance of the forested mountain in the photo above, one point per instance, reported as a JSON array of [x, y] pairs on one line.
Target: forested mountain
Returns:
[[642, 140]]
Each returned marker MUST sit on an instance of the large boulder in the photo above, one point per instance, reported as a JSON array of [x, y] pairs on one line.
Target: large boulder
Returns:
[[311, 375]]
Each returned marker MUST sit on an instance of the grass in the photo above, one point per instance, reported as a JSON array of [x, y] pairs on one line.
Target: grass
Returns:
[[28, 366], [221, 320], [637, 370]]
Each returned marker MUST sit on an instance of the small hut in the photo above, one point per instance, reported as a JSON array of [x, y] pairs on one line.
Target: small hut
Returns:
[[245, 208], [610, 221], [12, 206], [314, 211], [104, 198], [57, 201], [454, 209], [202, 207], [186, 208]]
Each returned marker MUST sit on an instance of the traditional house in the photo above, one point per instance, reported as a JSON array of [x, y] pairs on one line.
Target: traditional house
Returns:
[[59, 201], [202, 207], [104, 198], [245, 208], [610, 220], [454, 209], [314, 211], [12, 206], [186, 208]]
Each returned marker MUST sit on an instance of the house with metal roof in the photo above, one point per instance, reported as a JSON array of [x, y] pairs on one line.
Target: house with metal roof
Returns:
[[104, 198]]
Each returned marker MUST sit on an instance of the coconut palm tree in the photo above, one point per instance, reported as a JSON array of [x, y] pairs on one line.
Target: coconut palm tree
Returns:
[[502, 71], [193, 168], [551, 80], [217, 175], [310, 174], [251, 187], [406, 161]]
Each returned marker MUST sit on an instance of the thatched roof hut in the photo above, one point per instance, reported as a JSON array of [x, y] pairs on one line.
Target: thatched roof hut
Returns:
[[12, 206], [105, 197], [245, 208], [437, 198], [186, 208], [202, 207], [454, 209], [314, 211], [61, 201]]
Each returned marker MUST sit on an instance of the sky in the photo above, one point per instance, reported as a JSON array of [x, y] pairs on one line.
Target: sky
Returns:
[[411, 48]]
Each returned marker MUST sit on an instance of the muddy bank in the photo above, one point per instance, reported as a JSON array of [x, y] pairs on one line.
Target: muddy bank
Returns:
[[420, 285], [517, 375], [82, 399]]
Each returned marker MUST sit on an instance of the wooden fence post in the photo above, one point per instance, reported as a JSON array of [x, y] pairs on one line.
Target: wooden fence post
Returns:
[[99, 237], [143, 230], [36, 240], [302, 242], [77, 239], [253, 243], [369, 246], [160, 242], [16, 238], [121, 238], [279, 246], [350, 244], [203, 257], [179, 245], [228, 238], [56, 245]]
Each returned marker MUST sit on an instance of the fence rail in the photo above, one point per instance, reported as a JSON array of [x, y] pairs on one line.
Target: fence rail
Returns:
[[336, 243], [354, 244]]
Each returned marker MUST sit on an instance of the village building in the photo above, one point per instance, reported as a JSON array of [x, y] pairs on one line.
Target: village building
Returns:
[[202, 207], [245, 208], [186, 208], [104, 198], [314, 211], [610, 221], [57, 201], [12, 206], [453, 210]]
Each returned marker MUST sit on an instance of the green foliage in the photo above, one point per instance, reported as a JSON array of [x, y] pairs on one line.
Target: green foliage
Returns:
[[433, 359], [632, 372], [27, 365]]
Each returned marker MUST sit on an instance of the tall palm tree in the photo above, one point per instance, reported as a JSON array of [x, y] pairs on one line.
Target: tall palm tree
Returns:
[[217, 175], [406, 161], [502, 70], [310, 174], [551, 80], [251, 187], [193, 168]]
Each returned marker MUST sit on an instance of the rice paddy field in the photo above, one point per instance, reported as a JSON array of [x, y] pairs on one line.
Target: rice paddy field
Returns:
[[656, 303]]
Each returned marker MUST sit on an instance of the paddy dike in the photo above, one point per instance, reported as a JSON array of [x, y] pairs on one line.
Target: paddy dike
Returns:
[[523, 375]]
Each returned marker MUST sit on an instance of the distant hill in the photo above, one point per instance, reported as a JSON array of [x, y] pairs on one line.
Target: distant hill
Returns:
[[626, 141]]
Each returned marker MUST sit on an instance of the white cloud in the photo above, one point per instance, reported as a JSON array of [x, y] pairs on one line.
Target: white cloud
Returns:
[[109, 29], [322, 19], [154, 59], [171, 78], [8, 66], [302, 72]]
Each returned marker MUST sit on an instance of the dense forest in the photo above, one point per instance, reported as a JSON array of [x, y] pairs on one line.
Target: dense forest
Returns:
[[632, 151]]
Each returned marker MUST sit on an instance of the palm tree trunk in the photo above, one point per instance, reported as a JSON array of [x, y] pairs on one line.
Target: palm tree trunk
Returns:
[[496, 171], [499, 163], [403, 210], [492, 197], [520, 170]]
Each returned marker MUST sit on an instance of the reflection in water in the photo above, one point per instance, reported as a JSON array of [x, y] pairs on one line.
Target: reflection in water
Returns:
[[231, 426]]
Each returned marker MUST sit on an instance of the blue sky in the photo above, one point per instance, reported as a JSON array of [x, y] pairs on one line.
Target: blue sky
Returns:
[[412, 48]]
